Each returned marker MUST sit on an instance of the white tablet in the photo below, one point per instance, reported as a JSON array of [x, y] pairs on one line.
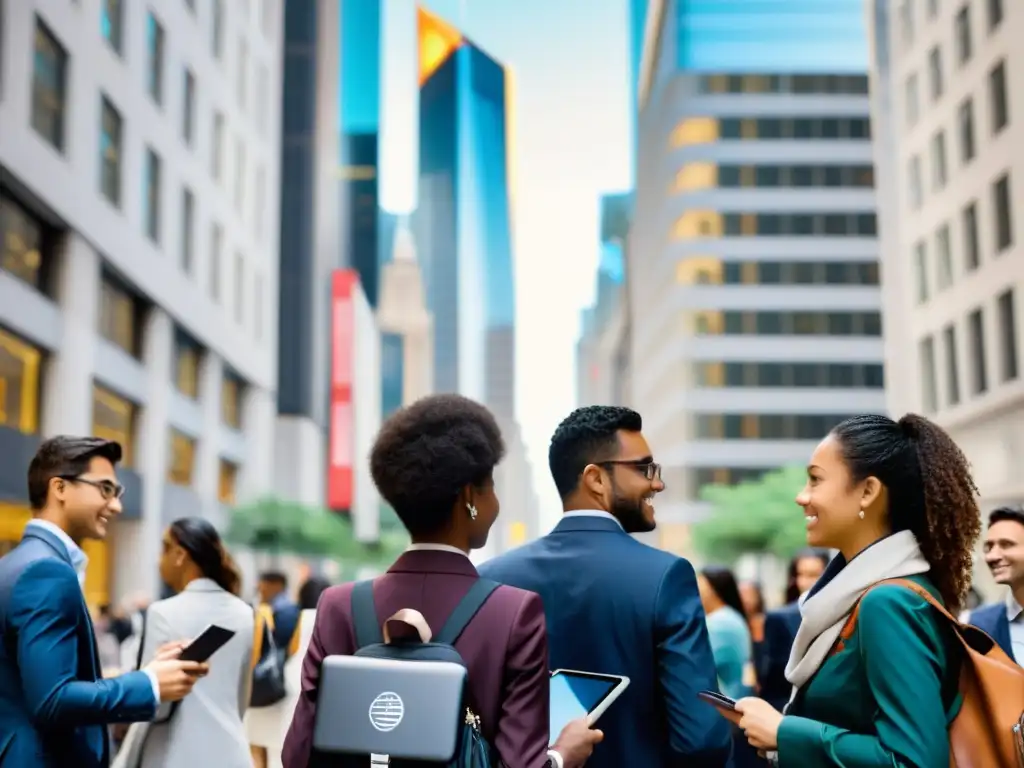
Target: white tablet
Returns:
[[576, 694]]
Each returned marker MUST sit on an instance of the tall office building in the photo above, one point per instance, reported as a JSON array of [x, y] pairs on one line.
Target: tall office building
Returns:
[[464, 235], [310, 232], [138, 281], [952, 191], [601, 368], [753, 274]]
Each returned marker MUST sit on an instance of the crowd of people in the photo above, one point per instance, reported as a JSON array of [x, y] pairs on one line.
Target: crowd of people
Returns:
[[854, 668]]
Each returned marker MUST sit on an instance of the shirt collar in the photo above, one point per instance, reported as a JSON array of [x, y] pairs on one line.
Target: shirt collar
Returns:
[[593, 513], [435, 548], [79, 560], [1014, 610]]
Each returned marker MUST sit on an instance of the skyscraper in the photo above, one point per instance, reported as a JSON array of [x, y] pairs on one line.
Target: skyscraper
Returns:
[[756, 311], [947, 91]]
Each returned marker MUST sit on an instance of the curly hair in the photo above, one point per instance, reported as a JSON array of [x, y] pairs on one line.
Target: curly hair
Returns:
[[931, 491], [427, 452], [587, 436]]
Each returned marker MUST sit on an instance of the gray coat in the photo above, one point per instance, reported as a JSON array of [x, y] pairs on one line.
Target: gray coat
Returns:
[[206, 730]]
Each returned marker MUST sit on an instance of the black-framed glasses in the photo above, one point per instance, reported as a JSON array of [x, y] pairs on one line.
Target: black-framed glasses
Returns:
[[650, 469], [108, 489]]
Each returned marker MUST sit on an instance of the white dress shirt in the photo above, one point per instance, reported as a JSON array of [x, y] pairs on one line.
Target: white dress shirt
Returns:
[[593, 513], [1015, 615], [556, 759], [80, 561]]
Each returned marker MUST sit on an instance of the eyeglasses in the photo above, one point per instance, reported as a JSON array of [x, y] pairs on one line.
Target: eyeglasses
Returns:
[[108, 489], [651, 469]]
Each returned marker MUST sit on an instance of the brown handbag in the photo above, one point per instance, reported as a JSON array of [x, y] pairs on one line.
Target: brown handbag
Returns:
[[988, 732]]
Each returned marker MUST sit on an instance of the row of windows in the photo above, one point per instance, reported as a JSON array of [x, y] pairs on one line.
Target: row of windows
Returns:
[[702, 223], [727, 475], [709, 270], [709, 175], [978, 351], [765, 426], [714, 322], [113, 416], [994, 14], [799, 84], [706, 130], [768, 375]]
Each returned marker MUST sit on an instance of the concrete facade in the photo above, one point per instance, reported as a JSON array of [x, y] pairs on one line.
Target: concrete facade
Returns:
[[953, 296], [752, 266], [211, 281]]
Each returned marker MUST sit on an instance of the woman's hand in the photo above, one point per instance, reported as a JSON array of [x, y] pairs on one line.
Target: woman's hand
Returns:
[[760, 722]]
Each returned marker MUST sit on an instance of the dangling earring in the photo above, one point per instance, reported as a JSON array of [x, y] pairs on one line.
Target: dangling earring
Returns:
[[861, 514], [472, 511]]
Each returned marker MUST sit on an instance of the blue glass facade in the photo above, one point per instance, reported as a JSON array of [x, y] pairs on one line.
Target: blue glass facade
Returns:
[[464, 228], [392, 360], [784, 36]]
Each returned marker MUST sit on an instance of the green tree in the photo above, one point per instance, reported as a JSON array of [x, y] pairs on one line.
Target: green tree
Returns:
[[754, 517]]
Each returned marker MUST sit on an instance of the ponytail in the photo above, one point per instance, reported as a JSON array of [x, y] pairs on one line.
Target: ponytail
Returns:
[[200, 539]]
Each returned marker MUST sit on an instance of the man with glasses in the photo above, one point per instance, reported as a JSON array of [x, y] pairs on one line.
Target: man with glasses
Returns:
[[616, 606], [56, 705]]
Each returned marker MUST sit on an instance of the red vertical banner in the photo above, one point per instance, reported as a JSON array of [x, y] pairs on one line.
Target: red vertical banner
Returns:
[[341, 434]]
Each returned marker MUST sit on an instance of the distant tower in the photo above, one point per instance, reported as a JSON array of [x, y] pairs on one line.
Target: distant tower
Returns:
[[406, 325]]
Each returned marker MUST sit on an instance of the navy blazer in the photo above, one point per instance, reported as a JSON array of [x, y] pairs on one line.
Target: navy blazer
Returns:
[[780, 628], [994, 621], [618, 606], [54, 704]]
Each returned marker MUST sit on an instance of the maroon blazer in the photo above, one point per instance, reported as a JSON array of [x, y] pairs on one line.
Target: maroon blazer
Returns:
[[505, 648]]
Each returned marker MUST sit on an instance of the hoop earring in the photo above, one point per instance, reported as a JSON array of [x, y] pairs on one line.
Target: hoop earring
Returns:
[[472, 511]]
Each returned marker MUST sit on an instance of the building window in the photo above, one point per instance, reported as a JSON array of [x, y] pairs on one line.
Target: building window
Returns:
[[187, 356], [227, 480], [49, 86], [217, 29], [20, 364], [694, 130], [929, 396], [113, 418], [921, 271], [188, 226], [239, 288], [217, 147], [935, 81], [155, 58], [121, 317], [697, 224], [979, 373], [111, 127], [1008, 362], [216, 258], [911, 100], [182, 459], [952, 366], [242, 76], [965, 121], [112, 24], [758, 426], [962, 34], [998, 98], [995, 13], [232, 390], [239, 175], [27, 244], [152, 200], [915, 188], [933, 8], [258, 196], [262, 99], [257, 306], [1002, 209], [972, 246], [785, 375], [944, 257], [188, 112], [939, 161], [907, 22]]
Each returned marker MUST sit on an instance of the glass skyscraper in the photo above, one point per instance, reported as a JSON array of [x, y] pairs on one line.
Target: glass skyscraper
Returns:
[[464, 227]]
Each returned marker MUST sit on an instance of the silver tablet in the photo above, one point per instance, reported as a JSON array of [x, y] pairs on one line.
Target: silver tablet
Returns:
[[576, 694]]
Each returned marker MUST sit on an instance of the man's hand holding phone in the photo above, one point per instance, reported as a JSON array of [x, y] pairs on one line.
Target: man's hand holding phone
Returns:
[[175, 678]]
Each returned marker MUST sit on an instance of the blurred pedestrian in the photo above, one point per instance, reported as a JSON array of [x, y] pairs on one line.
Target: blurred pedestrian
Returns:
[[1004, 555]]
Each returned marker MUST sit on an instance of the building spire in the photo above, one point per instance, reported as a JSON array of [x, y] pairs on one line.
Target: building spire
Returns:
[[405, 244]]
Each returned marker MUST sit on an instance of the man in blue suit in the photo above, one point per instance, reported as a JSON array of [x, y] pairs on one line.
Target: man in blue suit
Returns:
[[54, 704], [1004, 555], [617, 606]]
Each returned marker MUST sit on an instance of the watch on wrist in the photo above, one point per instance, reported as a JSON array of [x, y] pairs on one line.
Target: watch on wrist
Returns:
[[773, 758]]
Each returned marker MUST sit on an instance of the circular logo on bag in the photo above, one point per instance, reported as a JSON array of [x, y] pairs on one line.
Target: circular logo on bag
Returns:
[[386, 711]]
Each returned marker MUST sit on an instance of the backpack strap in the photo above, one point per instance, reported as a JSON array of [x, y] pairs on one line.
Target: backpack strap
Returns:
[[465, 611], [364, 615]]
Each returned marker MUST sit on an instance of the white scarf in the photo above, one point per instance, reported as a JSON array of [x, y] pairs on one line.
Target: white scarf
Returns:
[[823, 613]]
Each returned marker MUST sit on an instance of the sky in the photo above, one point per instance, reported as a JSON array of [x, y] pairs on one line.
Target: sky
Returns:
[[572, 137]]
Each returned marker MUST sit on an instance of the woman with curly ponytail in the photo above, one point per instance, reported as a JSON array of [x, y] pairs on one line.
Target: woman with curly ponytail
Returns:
[[877, 686], [206, 729]]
